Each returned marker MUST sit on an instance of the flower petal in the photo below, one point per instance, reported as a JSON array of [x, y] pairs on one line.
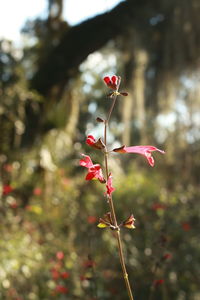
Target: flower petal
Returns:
[[150, 158], [86, 161], [107, 79], [114, 79], [109, 186], [90, 176], [111, 82], [143, 150], [90, 140]]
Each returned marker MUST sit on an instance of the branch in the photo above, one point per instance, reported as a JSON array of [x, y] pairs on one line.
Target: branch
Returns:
[[81, 40]]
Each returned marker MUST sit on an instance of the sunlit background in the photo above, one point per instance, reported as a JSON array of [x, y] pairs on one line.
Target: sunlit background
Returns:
[[13, 14]]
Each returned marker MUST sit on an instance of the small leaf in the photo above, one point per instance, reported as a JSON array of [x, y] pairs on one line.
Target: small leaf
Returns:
[[99, 144], [124, 93], [129, 226], [102, 225], [120, 149], [100, 120], [110, 95]]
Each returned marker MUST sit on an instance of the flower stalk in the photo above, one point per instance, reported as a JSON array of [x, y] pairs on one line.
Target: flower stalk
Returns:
[[111, 204], [95, 173]]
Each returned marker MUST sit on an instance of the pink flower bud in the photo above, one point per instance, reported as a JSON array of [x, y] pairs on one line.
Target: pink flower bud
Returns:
[[111, 82]]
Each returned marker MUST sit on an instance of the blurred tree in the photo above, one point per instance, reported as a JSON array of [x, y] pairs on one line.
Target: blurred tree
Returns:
[[160, 44], [152, 22]]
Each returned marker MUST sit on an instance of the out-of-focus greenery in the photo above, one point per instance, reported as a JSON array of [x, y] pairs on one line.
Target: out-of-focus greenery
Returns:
[[51, 247], [61, 216]]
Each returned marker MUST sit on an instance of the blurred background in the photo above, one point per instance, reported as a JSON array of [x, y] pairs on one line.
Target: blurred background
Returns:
[[53, 56]]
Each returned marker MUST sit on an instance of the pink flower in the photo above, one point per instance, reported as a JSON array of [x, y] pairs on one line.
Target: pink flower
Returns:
[[86, 162], [37, 191], [90, 140], [98, 144], [111, 82], [55, 274], [94, 171], [186, 226], [92, 219], [8, 168], [14, 204], [167, 256], [7, 189], [158, 206], [61, 289], [89, 263], [143, 150], [65, 275], [82, 278], [110, 188], [60, 255], [158, 282]]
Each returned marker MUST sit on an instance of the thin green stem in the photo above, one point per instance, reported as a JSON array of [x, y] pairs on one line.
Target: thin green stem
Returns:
[[111, 204]]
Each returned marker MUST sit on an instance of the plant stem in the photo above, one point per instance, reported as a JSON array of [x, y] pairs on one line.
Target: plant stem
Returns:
[[111, 204]]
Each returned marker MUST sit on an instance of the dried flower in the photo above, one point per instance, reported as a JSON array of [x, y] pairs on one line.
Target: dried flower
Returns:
[[106, 221], [129, 222]]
